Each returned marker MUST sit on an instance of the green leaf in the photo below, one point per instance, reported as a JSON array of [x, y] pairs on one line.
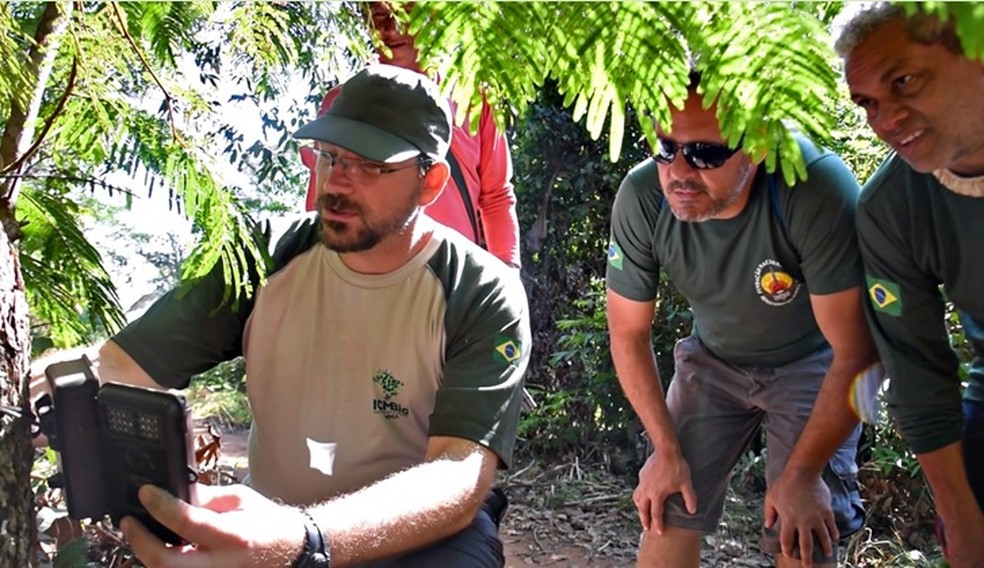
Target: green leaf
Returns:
[[73, 555], [69, 287], [768, 65]]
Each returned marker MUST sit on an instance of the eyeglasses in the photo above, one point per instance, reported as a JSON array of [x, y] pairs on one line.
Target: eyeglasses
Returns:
[[322, 162], [700, 155]]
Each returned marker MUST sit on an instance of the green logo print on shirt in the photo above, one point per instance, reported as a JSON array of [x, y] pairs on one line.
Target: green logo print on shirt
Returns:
[[886, 296], [390, 386], [615, 255]]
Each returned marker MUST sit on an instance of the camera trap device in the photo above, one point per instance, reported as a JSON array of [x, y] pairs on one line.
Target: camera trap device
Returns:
[[112, 439]]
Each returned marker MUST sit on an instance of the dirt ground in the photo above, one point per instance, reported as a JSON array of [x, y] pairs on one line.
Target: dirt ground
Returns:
[[576, 515], [565, 513]]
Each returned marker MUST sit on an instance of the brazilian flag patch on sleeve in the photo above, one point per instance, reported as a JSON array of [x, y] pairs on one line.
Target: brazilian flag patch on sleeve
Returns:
[[615, 255], [886, 296], [507, 350]]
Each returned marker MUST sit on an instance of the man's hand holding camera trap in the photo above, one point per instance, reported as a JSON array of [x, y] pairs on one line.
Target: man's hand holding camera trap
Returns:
[[113, 439]]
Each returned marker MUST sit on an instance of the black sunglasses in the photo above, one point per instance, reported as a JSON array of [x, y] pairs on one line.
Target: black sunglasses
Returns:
[[700, 155]]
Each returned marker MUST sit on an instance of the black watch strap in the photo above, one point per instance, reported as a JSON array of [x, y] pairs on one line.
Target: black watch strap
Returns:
[[317, 552]]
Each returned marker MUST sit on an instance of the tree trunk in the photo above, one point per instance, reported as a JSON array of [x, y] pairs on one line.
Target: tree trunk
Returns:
[[18, 533], [17, 529]]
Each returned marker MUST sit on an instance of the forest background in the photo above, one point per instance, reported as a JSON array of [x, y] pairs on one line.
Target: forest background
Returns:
[[182, 112]]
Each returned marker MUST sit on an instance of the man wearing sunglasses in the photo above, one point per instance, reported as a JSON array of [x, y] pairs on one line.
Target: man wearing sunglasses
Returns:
[[921, 231], [773, 278], [385, 355]]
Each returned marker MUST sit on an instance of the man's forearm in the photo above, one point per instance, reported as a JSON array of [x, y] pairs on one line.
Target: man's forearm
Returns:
[[636, 368], [840, 317], [111, 363], [115, 364], [831, 420], [405, 511], [947, 475]]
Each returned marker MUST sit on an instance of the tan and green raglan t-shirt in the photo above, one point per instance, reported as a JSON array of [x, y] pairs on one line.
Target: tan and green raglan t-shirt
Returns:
[[349, 374]]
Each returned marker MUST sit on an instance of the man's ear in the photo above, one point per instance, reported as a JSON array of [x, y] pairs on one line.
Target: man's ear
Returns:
[[434, 182]]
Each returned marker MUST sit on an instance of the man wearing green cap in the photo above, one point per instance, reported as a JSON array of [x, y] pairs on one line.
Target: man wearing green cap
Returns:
[[479, 201], [385, 356]]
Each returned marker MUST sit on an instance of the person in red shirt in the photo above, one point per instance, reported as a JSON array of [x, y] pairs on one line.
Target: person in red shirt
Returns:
[[488, 215]]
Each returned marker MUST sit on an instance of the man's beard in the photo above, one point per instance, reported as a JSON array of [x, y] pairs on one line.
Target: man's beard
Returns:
[[348, 236], [716, 206]]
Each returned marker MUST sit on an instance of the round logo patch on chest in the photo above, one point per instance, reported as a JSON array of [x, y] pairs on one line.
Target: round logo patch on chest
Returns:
[[774, 285]]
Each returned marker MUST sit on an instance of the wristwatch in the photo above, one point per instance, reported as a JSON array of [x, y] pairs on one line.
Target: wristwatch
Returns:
[[316, 552]]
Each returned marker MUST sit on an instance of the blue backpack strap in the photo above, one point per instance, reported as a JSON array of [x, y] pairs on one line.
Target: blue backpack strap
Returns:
[[778, 214], [774, 200]]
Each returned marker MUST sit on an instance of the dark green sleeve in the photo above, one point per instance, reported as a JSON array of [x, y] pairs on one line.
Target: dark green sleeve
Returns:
[[487, 352], [186, 332], [906, 311], [194, 328], [632, 268], [820, 218]]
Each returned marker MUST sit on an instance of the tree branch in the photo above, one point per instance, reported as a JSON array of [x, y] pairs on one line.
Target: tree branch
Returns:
[[14, 129], [16, 166], [136, 49], [78, 179]]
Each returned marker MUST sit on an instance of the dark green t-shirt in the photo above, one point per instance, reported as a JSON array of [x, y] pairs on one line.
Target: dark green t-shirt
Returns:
[[915, 236], [748, 279]]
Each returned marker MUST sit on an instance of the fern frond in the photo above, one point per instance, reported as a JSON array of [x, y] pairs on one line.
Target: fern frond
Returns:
[[168, 28], [613, 63], [67, 285], [477, 49], [767, 63], [227, 230], [13, 80], [261, 31]]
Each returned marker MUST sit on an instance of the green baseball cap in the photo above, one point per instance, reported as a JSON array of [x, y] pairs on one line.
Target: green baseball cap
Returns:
[[386, 114]]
